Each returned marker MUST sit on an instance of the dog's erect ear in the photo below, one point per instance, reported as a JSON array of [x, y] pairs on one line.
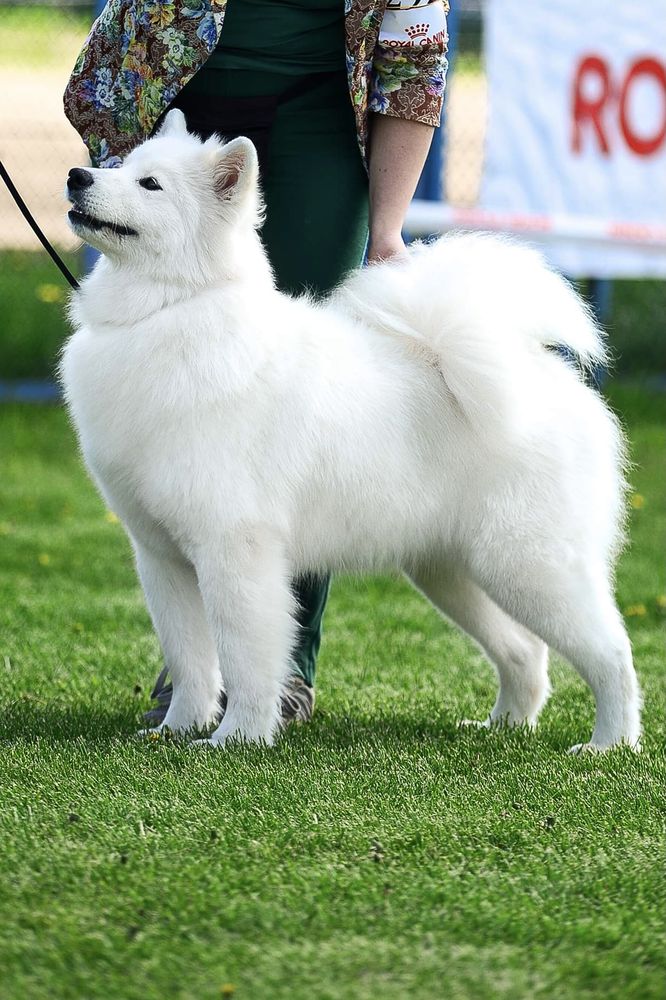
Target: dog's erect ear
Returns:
[[174, 124], [235, 167]]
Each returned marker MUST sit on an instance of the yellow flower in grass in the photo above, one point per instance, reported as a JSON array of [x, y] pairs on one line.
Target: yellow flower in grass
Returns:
[[637, 501], [111, 518], [49, 293], [661, 602], [636, 611], [44, 559]]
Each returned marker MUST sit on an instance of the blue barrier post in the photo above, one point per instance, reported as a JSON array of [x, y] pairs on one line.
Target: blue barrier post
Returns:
[[600, 294]]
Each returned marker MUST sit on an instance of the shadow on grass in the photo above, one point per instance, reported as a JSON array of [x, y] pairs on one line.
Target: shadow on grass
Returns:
[[32, 719], [28, 719], [392, 731], [434, 729]]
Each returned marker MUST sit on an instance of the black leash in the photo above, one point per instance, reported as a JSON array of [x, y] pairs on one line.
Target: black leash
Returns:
[[25, 211]]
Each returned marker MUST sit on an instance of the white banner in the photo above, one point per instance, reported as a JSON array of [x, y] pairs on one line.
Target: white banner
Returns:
[[577, 124]]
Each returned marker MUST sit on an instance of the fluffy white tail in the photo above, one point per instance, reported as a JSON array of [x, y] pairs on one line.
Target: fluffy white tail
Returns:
[[541, 304], [485, 305]]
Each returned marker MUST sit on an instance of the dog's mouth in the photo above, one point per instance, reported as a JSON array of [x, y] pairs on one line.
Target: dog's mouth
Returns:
[[78, 218]]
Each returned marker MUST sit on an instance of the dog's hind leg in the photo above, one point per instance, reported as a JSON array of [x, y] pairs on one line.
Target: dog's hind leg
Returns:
[[569, 603], [175, 605], [244, 582], [520, 658]]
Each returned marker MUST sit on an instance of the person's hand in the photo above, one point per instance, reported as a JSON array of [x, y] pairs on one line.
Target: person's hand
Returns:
[[384, 246]]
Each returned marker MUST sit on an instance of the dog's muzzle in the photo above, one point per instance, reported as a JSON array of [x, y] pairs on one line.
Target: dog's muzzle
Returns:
[[78, 181]]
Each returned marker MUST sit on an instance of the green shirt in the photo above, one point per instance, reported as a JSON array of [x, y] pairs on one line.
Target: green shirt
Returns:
[[282, 36]]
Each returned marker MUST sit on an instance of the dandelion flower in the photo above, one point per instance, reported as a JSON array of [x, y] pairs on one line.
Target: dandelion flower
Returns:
[[49, 293]]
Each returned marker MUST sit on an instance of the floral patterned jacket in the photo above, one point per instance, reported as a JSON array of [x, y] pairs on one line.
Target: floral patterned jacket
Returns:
[[140, 53]]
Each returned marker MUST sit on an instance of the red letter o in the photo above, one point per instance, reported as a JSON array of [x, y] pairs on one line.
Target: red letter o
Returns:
[[639, 145]]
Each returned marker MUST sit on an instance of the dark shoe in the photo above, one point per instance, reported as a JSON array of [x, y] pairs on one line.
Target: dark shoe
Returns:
[[298, 700], [162, 693]]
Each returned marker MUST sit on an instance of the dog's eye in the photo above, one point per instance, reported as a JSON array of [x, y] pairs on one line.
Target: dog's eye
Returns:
[[150, 184]]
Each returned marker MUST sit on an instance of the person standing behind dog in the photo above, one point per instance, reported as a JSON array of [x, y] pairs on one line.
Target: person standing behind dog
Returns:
[[333, 169]]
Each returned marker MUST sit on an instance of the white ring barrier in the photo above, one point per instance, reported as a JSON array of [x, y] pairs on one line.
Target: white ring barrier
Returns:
[[427, 218]]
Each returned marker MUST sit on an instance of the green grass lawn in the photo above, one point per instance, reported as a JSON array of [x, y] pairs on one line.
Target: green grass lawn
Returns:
[[378, 852]]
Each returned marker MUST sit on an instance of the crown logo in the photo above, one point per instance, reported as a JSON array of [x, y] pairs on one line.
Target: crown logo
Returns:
[[418, 30]]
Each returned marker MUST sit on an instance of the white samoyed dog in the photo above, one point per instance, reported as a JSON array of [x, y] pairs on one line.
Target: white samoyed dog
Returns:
[[415, 420]]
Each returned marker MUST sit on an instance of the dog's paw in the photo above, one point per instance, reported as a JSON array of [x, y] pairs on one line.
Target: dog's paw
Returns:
[[207, 744], [167, 733], [236, 737], [581, 748], [475, 723]]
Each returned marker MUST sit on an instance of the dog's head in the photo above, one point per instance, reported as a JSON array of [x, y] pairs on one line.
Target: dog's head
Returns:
[[175, 202]]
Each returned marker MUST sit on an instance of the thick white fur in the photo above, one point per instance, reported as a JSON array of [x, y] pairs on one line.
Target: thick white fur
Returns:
[[414, 420]]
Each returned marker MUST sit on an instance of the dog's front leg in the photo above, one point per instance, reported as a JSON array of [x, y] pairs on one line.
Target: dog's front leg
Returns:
[[244, 582], [177, 610]]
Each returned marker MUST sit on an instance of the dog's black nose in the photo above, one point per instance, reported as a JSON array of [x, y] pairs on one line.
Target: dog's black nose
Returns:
[[78, 178]]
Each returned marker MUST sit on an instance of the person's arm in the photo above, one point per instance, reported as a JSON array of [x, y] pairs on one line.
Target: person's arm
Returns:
[[398, 150], [406, 94]]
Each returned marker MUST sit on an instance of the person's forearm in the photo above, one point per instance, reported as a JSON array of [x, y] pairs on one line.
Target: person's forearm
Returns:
[[398, 150]]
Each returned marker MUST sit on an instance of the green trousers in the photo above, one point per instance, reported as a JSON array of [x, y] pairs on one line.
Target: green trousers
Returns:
[[316, 193]]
